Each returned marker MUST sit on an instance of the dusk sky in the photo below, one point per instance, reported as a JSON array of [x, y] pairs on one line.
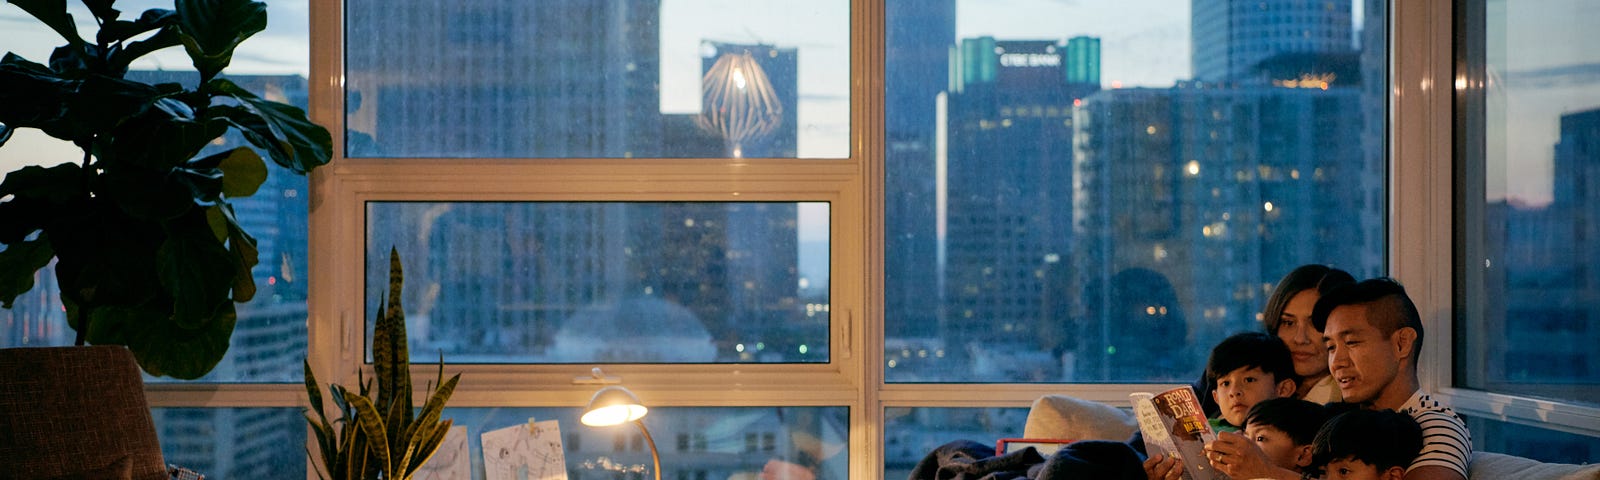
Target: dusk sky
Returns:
[[1144, 43]]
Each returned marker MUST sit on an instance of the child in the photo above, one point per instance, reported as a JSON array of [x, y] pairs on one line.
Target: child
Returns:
[[1367, 445], [1244, 369], [1284, 428]]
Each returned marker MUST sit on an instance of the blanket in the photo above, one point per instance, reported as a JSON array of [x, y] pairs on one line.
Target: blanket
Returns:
[[1090, 459]]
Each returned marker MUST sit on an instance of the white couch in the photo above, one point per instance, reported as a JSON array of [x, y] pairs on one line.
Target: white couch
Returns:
[[1064, 417]]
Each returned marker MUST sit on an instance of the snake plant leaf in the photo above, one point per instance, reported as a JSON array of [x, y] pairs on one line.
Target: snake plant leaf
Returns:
[[52, 13], [372, 426], [289, 137], [211, 29], [18, 263]]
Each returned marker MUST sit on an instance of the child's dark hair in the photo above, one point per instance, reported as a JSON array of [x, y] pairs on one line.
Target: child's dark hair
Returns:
[[1246, 350], [1300, 419], [1381, 438]]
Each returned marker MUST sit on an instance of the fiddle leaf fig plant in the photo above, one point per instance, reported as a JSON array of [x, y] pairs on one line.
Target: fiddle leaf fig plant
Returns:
[[148, 251]]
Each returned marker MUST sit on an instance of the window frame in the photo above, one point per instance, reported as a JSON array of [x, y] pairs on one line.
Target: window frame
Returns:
[[1419, 206], [1429, 34]]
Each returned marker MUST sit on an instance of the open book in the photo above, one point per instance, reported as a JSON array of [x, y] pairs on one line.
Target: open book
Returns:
[[1173, 424]]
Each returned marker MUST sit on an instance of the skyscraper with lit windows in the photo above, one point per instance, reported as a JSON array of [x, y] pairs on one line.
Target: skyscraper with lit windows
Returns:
[[1230, 38]]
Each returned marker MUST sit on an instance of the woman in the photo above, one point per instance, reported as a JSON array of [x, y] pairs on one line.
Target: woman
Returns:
[[1288, 316]]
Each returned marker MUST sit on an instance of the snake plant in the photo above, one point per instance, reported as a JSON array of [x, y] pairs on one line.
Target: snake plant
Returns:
[[379, 435]]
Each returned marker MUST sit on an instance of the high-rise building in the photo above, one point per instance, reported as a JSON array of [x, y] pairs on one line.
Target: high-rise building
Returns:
[[503, 79], [919, 43], [1230, 38], [1215, 190], [1548, 310], [1008, 180]]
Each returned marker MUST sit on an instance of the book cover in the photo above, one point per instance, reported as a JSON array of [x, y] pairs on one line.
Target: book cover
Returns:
[[1173, 424]]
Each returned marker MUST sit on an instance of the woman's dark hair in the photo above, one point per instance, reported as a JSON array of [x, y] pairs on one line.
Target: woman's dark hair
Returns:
[[1323, 278]]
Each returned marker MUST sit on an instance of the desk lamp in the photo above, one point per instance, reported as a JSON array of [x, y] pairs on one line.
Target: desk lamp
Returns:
[[614, 405]]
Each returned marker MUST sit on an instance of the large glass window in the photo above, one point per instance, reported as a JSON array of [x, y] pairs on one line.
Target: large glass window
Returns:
[[657, 78], [607, 282], [1102, 191], [269, 338], [1528, 169]]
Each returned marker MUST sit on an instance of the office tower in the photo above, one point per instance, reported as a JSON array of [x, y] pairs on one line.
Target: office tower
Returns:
[[1211, 190], [917, 69], [486, 78], [1230, 38], [1549, 307], [1008, 180], [781, 68], [1082, 59]]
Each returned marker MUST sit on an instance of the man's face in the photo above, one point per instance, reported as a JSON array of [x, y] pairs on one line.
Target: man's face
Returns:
[[1240, 389], [1363, 360], [1278, 446], [1351, 469]]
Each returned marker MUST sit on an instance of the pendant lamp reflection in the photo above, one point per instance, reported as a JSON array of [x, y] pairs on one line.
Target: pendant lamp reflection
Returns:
[[737, 101]]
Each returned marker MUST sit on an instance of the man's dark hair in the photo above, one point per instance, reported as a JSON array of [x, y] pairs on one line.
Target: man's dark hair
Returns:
[[1387, 307], [1250, 349], [1312, 277], [1381, 438], [1300, 419]]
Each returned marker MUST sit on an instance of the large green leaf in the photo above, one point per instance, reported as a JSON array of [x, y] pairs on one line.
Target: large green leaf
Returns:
[[101, 103], [58, 184], [290, 139], [242, 249], [163, 136], [102, 10], [166, 37], [211, 29], [18, 263], [5, 133], [197, 271], [125, 29], [34, 97], [54, 14], [243, 172], [148, 194], [161, 346]]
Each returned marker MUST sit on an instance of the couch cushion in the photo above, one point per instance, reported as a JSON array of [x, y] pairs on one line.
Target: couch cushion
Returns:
[[1490, 465], [1064, 417]]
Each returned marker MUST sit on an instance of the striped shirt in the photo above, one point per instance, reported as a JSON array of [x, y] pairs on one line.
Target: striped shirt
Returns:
[[1445, 439]]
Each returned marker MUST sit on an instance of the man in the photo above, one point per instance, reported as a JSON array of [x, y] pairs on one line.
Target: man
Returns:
[[1374, 335]]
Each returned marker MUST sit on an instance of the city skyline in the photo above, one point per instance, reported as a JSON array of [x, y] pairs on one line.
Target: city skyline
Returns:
[[1145, 43]]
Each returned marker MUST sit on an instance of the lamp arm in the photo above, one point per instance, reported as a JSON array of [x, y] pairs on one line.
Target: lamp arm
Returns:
[[654, 455]]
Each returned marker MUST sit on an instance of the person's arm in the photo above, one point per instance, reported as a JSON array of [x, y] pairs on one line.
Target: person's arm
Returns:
[[1433, 472]]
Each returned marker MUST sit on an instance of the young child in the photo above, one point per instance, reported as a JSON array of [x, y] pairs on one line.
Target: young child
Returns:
[[1244, 369], [1284, 428], [1367, 445]]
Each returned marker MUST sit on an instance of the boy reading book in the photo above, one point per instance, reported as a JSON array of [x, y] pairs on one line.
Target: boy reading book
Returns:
[[1367, 445]]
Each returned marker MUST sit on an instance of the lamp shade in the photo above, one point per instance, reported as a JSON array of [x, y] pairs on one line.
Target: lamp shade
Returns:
[[613, 406]]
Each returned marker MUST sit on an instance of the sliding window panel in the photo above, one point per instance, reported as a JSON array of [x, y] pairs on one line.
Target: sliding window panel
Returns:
[[609, 79], [607, 282], [700, 443], [269, 337], [1528, 200], [1089, 192], [234, 443]]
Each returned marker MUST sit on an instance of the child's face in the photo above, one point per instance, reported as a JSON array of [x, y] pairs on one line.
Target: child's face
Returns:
[[1349, 468], [1240, 389], [1278, 446]]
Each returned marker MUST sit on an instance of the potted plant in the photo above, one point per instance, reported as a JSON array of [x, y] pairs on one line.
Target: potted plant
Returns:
[[148, 251], [378, 435]]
